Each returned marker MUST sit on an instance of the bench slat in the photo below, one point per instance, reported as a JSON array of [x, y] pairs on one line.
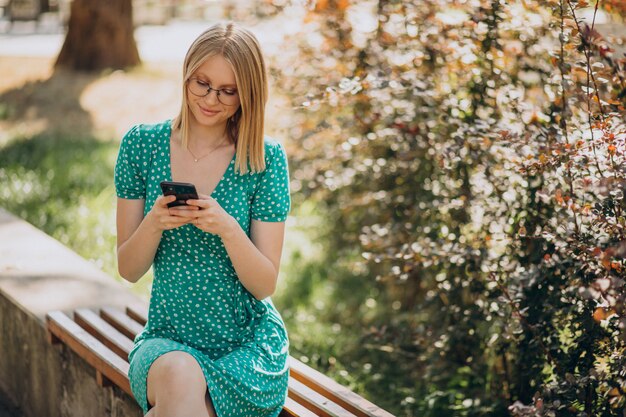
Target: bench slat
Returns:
[[293, 409], [138, 313], [89, 348], [314, 401], [116, 318], [333, 390], [104, 332]]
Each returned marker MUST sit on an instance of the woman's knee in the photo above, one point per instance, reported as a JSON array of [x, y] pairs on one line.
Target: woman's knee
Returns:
[[176, 373]]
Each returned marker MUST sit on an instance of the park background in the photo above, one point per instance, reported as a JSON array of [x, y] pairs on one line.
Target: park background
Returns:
[[457, 236]]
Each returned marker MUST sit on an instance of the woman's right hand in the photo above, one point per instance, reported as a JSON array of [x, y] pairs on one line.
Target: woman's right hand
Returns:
[[163, 217]]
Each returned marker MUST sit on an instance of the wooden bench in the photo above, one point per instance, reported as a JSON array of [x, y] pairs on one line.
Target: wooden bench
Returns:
[[105, 338]]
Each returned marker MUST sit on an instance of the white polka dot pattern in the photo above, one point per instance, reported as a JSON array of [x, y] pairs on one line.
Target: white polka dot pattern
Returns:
[[197, 303], [271, 201]]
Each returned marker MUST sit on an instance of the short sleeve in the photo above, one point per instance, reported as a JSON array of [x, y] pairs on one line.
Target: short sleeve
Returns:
[[129, 182], [271, 201]]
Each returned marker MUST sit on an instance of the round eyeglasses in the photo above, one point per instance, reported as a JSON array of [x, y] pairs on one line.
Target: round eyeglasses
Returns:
[[226, 96]]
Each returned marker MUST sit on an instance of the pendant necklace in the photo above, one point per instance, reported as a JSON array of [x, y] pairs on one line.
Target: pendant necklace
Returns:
[[211, 151]]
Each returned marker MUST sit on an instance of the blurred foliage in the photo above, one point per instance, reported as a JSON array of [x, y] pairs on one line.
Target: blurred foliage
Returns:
[[465, 164]]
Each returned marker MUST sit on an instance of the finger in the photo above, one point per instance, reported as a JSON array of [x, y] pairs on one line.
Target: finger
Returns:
[[185, 207], [165, 200], [186, 214], [175, 220], [167, 197], [199, 203]]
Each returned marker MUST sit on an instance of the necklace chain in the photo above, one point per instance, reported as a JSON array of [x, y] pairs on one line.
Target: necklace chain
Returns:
[[195, 159]]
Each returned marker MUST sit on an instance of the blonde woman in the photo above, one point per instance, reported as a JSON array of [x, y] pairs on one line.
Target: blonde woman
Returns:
[[214, 344]]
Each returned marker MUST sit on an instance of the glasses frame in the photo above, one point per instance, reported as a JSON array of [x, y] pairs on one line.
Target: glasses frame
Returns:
[[209, 89]]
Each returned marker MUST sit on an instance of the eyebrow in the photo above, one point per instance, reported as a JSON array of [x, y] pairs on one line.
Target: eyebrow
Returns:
[[203, 76]]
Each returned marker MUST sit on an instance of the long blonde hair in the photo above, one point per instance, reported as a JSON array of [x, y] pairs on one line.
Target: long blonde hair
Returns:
[[241, 49]]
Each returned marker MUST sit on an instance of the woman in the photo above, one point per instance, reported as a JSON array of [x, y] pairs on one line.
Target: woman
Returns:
[[214, 344]]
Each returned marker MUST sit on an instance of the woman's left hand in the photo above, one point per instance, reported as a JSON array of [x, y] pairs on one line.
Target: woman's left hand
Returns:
[[210, 217]]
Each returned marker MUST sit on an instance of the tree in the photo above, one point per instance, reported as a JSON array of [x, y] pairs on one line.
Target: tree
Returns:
[[100, 35]]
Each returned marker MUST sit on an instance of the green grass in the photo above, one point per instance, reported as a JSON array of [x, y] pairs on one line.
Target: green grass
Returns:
[[64, 186]]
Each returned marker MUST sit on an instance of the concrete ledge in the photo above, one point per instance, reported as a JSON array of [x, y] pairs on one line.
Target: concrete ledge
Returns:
[[39, 274]]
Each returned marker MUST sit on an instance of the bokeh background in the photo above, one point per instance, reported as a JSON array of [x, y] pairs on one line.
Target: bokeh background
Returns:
[[457, 240]]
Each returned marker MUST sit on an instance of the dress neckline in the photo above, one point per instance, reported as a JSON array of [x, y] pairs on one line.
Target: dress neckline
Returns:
[[168, 145]]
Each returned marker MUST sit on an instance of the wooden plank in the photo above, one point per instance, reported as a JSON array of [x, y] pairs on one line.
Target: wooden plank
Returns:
[[139, 313], [102, 380], [90, 349], [285, 413], [336, 392], [124, 324], [293, 409], [315, 401], [104, 332], [51, 338]]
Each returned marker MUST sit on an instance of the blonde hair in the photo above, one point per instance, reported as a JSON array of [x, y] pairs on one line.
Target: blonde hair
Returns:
[[241, 49]]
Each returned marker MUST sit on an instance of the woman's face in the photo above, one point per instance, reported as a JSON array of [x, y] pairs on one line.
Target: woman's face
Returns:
[[216, 73]]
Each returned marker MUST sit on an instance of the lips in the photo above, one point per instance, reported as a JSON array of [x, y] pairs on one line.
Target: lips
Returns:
[[208, 112]]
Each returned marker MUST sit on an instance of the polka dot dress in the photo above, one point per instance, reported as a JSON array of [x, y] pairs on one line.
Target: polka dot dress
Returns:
[[197, 303]]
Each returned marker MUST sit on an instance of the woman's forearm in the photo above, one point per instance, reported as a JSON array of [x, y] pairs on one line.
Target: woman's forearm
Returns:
[[255, 271], [135, 256]]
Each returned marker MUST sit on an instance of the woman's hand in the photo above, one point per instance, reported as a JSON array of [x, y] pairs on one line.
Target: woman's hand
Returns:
[[163, 217], [210, 216]]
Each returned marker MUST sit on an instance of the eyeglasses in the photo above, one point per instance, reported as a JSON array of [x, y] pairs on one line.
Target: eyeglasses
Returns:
[[226, 96]]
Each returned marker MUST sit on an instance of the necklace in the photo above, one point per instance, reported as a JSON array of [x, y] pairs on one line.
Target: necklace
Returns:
[[195, 159]]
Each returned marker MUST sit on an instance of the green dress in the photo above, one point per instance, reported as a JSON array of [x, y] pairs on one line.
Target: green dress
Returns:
[[197, 303]]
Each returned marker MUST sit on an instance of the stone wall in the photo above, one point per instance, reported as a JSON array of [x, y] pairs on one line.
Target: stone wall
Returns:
[[39, 274]]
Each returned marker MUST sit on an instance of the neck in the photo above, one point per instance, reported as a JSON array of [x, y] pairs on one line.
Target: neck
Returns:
[[206, 137]]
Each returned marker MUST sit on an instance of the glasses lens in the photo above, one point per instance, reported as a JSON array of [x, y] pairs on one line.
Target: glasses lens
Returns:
[[197, 88], [226, 96]]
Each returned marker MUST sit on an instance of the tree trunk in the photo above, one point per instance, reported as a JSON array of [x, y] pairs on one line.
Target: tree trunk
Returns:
[[99, 35]]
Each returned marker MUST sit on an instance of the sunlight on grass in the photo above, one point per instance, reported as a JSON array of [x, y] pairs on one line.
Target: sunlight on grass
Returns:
[[64, 186]]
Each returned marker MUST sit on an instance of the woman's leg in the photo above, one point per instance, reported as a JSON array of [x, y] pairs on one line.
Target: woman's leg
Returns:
[[176, 386]]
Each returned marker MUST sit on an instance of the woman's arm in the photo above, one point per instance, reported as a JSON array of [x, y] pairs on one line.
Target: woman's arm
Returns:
[[256, 259], [138, 238]]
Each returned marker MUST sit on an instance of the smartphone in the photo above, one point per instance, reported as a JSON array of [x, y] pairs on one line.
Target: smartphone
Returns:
[[182, 190]]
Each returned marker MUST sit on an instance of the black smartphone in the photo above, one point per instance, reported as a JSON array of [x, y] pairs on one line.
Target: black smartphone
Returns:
[[182, 190]]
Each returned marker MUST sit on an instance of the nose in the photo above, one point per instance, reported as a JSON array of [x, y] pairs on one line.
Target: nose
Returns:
[[208, 98]]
